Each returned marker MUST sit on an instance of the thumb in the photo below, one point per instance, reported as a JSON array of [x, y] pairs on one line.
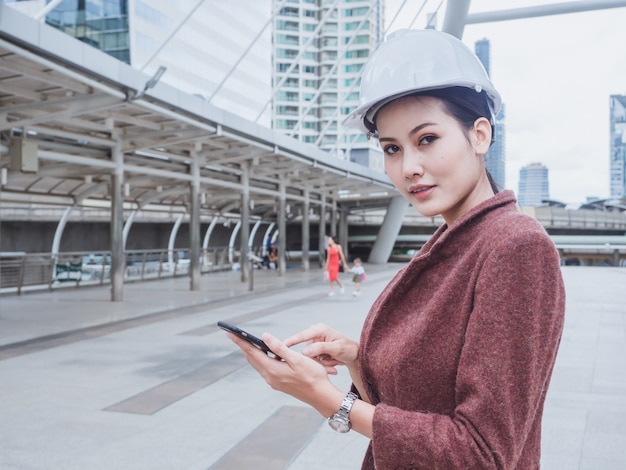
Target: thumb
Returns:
[[277, 346]]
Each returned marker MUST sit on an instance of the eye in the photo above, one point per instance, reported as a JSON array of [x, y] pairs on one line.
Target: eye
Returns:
[[391, 149], [428, 139]]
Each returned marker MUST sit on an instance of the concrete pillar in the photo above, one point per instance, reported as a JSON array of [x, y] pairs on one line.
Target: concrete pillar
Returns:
[[117, 224], [209, 231], [305, 231], [342, 232], [194, 225], [321, 246], [172, 241], [268, 234], [58, 233], [456, 15], [253, 232], [127, 225], [245, 223], [389, 230], [333, 220], [282, 228]]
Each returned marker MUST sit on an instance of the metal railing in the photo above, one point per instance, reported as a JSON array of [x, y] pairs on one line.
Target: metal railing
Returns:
[[45, 270]]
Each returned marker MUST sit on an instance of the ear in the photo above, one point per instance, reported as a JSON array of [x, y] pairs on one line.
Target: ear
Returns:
[[482, 135]]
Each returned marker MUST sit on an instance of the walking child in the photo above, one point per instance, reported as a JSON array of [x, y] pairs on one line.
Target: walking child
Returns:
[[358, 272]]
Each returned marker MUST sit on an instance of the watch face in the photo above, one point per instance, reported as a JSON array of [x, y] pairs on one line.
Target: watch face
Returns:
[[339, 424]]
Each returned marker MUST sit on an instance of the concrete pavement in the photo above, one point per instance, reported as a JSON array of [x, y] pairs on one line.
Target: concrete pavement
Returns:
[[151, 382]]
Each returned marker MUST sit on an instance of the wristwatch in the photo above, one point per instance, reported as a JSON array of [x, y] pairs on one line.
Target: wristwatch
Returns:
[[340, 421]]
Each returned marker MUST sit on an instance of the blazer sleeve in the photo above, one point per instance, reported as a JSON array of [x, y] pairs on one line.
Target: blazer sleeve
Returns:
[[505, 366]]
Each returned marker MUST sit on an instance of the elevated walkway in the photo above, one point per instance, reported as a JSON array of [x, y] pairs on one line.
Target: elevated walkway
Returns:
[[151, 382]]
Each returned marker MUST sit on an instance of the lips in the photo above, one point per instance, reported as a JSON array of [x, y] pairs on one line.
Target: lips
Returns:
[[421, 191], [420, 188]]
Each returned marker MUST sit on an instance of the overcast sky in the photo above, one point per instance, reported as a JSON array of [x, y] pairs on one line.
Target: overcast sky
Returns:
[[555, 75]]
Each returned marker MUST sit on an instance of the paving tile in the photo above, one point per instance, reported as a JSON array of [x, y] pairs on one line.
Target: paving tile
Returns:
[[186, 400]]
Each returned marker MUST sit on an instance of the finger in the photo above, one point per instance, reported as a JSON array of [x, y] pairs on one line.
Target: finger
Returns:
[[244, 345], [309, 334], [321, 349], [279, 348]]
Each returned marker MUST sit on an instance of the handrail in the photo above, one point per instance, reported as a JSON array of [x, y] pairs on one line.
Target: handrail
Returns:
[[19, 270]]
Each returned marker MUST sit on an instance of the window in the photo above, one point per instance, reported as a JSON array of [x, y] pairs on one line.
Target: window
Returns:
[[353, 68], [289, 11], [287, 39]]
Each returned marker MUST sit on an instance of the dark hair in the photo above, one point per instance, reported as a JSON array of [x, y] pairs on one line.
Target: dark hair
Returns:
[[466, 105]]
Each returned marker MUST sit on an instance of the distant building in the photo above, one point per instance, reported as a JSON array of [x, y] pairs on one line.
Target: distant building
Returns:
[[618, 146], [533, 185], [102, 24], [495, 160], [320, 48], [199, 43]]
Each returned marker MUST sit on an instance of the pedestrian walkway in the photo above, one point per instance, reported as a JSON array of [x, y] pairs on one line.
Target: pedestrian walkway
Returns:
[[152, 383]]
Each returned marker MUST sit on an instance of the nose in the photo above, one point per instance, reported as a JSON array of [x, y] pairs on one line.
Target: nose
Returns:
[[412, 165]]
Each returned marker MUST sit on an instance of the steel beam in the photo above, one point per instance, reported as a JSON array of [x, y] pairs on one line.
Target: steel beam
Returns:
[[543, 10]]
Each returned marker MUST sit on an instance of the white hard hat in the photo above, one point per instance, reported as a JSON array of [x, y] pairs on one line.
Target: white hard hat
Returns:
[[417, 60]]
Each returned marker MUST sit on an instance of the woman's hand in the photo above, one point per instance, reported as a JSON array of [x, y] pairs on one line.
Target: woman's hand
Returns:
[[327, 346], [296, 375]]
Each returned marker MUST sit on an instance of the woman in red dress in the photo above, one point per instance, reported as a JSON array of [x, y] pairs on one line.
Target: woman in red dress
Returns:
[[334, 253]]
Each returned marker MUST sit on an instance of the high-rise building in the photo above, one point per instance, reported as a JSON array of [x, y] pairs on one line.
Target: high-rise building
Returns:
[[218, 50], [533, 185], [103, 24], [495, 159], [618, 146], [320, 48]]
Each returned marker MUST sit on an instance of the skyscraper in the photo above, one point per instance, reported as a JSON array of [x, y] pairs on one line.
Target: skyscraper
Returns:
[[495, 159], [218, 50], [320, 48], [533, 185], [618, 146], [101, 23]]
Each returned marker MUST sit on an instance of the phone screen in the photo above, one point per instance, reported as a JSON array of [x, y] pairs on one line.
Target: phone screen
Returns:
[[258, 342]]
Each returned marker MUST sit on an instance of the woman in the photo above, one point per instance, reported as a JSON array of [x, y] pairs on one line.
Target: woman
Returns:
[[456, 354], [333, 255]]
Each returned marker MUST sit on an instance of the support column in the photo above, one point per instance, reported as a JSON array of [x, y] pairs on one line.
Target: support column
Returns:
[[245, 223], [305, 231], [127, 225], [321, 245], [282, 228], [343, 232], [58, 233], [172, 242], [333, 219], [194, 224], [117, 224], [389, 230], [456, 16]]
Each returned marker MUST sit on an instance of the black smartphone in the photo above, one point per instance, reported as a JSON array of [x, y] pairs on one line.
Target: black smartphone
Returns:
[[258, 342]]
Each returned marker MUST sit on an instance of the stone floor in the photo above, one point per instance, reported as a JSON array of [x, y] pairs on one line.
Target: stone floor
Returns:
[[152, 383]]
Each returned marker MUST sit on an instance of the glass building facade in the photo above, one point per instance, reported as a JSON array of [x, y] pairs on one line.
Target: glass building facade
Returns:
[[100, 23], [495, 159], [218, 50], [320, 48], [618, 146], [533, 185]]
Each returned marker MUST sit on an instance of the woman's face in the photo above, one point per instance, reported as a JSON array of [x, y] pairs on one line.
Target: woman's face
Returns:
[[429, 158]]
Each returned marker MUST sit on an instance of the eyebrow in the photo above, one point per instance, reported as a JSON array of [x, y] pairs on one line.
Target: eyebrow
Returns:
[[412, 132]]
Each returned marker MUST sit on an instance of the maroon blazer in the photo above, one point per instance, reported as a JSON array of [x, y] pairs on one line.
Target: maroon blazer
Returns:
[[457, 351]]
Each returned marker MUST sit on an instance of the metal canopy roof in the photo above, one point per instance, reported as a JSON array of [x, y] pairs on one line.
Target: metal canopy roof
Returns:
[[91, 116]]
